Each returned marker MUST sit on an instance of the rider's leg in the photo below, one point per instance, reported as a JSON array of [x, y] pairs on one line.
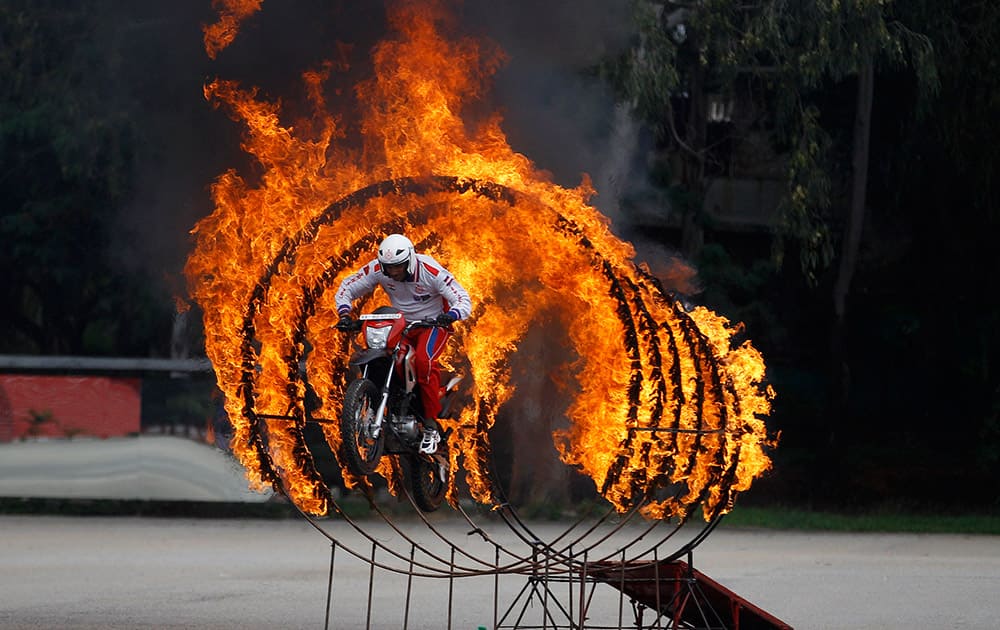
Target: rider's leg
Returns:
[[429, 344]]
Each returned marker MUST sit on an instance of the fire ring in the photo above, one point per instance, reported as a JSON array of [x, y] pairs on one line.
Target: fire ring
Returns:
[[668, 414], [622, 289], [678, 376]]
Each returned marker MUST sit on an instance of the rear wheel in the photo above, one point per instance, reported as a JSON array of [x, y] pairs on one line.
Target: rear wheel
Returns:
[[427, 477], [357, 425]]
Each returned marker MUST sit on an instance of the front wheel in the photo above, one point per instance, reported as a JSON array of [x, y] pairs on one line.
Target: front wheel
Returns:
[[427, 477], [362, 447]]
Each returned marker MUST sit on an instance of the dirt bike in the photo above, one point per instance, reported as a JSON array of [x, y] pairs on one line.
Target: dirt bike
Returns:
[[382, 412]]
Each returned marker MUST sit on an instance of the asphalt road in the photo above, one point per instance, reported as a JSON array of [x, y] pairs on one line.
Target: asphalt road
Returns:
[[128, 573]]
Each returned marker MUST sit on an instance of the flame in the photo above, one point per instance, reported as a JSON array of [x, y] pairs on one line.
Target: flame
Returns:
[[223, 32], [667, 413]]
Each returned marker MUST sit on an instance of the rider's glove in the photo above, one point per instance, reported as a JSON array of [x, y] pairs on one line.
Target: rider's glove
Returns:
[[345, 323], [445, 319]]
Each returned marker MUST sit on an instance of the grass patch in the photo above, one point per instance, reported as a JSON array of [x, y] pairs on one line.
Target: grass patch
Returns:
[[357, 507], [875, 521]]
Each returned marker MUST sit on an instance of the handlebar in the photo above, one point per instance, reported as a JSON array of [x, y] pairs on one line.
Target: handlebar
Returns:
[[355, 325], [423, 323]]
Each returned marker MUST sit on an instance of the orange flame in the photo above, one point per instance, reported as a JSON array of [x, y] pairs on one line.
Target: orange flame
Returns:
[[223, 32], [667, 414]]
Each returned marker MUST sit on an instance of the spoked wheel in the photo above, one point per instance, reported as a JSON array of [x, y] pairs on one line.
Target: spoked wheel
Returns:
[[427, 477], [357, 424]]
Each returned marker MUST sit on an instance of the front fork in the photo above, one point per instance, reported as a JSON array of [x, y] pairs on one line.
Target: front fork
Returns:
[[374, 428], [410, 376]]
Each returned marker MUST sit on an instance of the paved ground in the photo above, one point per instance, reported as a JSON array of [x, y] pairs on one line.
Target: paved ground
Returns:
[[110, 573]]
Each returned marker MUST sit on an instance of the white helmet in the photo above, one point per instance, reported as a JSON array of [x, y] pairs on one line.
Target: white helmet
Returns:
[[396, 249]]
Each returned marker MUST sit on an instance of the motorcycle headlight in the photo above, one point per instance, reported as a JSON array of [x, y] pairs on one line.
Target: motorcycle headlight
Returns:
[[376, 338]]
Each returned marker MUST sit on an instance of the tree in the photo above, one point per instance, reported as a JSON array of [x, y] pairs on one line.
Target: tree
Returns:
[[839, 40], [786, 60], [66, 159], [939, 185]]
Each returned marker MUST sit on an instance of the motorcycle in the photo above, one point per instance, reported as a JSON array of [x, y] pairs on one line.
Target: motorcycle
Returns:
[[382, 413]]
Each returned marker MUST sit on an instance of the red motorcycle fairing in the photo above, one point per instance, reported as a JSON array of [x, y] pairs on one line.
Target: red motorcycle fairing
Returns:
[[383, 317], [388, 317], [396, 325]]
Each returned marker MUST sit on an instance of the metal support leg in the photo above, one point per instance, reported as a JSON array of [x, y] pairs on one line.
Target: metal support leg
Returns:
[[329, 585]]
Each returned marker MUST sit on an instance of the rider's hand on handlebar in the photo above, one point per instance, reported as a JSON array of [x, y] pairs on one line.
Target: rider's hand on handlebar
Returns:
[[345, 323], [445, 319]]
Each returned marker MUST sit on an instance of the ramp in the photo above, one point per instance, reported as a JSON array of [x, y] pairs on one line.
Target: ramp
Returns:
[[688, 597]]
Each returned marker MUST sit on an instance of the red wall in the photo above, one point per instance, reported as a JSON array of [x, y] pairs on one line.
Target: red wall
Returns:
[[82, 405]]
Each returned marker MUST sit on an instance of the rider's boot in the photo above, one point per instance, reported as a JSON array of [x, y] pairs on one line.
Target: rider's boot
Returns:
[[429, 441]]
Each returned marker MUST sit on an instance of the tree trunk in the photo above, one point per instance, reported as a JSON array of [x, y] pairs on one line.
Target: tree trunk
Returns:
[[852, 234], [693, 175]]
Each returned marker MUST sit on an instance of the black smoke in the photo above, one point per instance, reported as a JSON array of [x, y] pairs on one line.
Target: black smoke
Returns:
[[556, 110]]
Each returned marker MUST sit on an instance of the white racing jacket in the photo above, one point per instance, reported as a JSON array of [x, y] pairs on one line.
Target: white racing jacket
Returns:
[[431, 291]]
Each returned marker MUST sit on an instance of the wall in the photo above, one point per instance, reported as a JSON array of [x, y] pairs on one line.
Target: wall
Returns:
[[61, 406]]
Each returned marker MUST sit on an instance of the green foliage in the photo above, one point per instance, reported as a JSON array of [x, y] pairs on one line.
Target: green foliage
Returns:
[[744, 291], [804, 211], [67, 164], [920, 421], [788, 54], [988, 443], [648, 75], [940, 195], [729, 285], [884, 520]]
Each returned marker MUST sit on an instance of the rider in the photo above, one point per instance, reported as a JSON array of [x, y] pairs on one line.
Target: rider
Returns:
[[420, 288]]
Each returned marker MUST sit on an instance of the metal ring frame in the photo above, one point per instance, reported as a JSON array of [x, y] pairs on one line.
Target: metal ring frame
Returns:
[[567, 555]]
